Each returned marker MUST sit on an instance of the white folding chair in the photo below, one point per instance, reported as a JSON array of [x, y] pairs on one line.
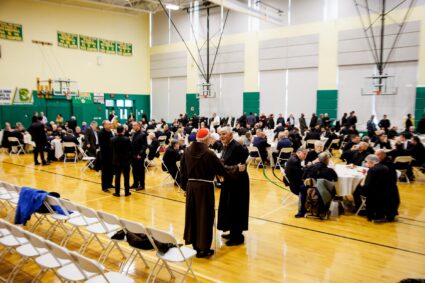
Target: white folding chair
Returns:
[[69, 145], [96, 272], [175, 254], [10, 199], [46, 261], [284, 155], [406, 160], [329, 149], [77, 222], [9, 241], [14, 141], [135, 228], [254, 150], [89, 159], [310, 143], [70, 272], [27, 251], [162, 140], [110, 224], [362, 206]]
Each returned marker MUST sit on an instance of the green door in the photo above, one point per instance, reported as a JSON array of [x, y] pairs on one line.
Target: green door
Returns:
[[192, 104]]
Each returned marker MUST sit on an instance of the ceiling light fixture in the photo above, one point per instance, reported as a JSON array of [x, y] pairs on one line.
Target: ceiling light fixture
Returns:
[[172, 7]]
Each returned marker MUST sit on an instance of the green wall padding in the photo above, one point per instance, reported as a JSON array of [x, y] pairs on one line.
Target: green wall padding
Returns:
[[251, 102], [327, 102], [419, 104], [192, 104]]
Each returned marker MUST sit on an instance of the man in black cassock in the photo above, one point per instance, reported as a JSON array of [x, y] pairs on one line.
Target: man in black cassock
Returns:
[[199, 166], [139, 144], [233, 210]]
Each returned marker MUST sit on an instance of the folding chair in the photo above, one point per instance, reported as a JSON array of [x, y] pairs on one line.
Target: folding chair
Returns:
[[76, 222], [362, 206], [10, 199], [9, 241], [329, 149], [70, 272], [14, 142], [135, 228], [47, 261], [27, 251], [69, 145], [174, 254], [310, 144], [148, 162], [89, 159], [96, 272], [162, 140], [254, 150], [59, 214], [406, 160], [286, 151], [111, 224]]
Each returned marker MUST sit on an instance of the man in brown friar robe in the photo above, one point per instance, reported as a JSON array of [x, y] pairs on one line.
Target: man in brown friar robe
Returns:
[[233, 210], [199, 166]]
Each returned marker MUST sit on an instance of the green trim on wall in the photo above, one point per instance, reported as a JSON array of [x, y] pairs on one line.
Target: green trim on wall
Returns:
[[419, 104], [327, 102], [192, 104], [251, 102]]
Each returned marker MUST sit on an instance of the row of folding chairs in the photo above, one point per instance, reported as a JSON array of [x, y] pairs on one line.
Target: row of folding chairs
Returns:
[[91, 225]]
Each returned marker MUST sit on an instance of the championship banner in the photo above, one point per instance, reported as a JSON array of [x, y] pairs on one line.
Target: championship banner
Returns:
[[22, 96], [107, 46], [83, 98], [67, 40], [88, 43], [6, 96], [11, 31], [98, 98], [124, 49]]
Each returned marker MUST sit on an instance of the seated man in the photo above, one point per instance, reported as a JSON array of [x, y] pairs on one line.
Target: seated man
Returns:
[[417, 151], [358, 154], [320, 169], [260, 141], [170, 158], [383, 142], [379, 191], [312, 155], [294, 173], [283, 142], [153, 147]]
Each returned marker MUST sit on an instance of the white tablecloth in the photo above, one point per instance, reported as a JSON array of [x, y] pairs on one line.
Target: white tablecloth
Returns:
[[27, 138], [57, 146], [348, 179]]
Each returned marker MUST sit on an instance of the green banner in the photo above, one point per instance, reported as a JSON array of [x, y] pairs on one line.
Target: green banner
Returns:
[[67, 40], [124, 49], [22, 96], [11, 31], [83, 98], [88, 43], [107, 46]]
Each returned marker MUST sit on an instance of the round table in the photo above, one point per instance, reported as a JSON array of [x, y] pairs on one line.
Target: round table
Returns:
[[348, 179]]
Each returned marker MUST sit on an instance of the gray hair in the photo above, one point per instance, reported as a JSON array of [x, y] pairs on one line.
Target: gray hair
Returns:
[[372, 158], [324, 157], [318, 143], [226, 129]]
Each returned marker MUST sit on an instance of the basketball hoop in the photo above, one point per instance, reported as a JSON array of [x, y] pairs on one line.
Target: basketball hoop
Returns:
[[68, 95], [379, 85]]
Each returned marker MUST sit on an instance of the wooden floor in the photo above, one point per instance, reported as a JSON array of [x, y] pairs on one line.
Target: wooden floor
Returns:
[[278, 248]]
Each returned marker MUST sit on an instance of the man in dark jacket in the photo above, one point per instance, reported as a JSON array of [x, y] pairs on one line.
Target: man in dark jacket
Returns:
[[294, 173], [233, 210], [105, 155], [170, 158], [121, 157], [320, 169], [384, 123], [38, 136], [139, 145], [91, 140]]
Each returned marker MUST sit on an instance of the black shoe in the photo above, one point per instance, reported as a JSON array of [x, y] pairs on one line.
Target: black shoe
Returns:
[[299, 215], [225, 236], [235, 241], [45, 163], [204, 254], [139, 189], [116, 195], [105, 191], [111, 187], [37, 163], [134, 186], [127, 194]]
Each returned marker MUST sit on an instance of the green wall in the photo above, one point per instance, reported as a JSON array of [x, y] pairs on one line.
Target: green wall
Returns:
[[51, 107], [251, 102], [192, 104], [419, 104], [327, 102]]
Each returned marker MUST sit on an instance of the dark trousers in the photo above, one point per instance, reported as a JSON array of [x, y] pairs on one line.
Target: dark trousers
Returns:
[[38, 149], [125, 170], [107, 174], [301, 191], [138, 172]]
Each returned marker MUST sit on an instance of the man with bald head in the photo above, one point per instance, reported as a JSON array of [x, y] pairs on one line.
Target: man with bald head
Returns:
[[105, 135]]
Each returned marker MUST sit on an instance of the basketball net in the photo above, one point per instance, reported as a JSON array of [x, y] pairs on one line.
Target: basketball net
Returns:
[[68, 95]]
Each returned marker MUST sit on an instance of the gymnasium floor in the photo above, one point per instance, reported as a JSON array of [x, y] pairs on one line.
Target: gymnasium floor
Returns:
[[278, 248]]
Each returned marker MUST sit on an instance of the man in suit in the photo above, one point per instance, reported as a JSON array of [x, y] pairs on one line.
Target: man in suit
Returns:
[[105, 155], [260, 141], [39, 137], [72, 123], [303, 123], [91, 140], [294, 173], [384, 123], [121, 157], [139, 145], [170, 158], [233, 210]]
